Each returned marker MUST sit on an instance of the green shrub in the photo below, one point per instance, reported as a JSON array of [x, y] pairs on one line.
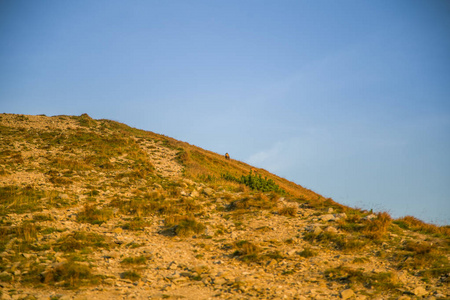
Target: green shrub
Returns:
[[256, 182]]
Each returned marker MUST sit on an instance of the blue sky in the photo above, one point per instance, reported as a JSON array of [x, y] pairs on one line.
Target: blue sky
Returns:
[[348, 98]]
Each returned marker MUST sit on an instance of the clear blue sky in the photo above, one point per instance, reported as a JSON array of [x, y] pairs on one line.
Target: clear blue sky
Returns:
[[348, 98]]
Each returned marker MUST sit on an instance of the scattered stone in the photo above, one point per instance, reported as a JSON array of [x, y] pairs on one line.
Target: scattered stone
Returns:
[[370, 217], [172, 266], [331, 229], [327, 218], [194, 194], [347, 294], [420, 291], [208, 191], [118, 230]]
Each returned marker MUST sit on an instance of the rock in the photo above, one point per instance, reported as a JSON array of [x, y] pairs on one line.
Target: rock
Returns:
[[316, 230], [291, 252], [327, 217], [404, 298], [347, 294], [420, 291], [208, 191], [271, 263], [331, 229], [5, 296], [194, 194], [63, 196], [219, 281], [340, 216], [172, 266], [27, 255], [370, 217], [117, 230]]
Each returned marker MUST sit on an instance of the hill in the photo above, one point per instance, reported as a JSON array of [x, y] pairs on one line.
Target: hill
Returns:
[[95, 209]]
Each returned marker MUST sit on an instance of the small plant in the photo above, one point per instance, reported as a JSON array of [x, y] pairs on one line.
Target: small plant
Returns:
[[42, 217], [256, 182], [247, 251], [259, 201], [183, 225], [415, 224], [338, 241], [136, 224], [430, 259], [93, 215], [71, 274], [376, 229], [288, 211], [379, 282], [307, 252], [130, 275], [84, 241], [17, 199], [135, 260]]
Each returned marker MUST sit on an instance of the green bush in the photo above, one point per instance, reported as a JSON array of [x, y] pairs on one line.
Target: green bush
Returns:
[[256, 182]]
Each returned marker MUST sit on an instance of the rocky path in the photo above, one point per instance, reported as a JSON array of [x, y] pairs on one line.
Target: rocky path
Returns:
[[163, 158]]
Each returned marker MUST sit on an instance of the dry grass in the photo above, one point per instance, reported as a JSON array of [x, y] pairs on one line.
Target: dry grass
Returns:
[[17, 199], [71, 274], [288, 211], [84, 241], [347, 243], [93, 215], [378, 282], [183, 225], [250, 202], [376, 229], [431, 259], [415, 224], [135, 260], [247, 251]]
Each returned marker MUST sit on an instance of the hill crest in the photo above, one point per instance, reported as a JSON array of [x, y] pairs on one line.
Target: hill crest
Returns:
[[96, 209]]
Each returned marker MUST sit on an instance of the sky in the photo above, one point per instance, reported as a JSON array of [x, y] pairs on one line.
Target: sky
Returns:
[[350, 99]]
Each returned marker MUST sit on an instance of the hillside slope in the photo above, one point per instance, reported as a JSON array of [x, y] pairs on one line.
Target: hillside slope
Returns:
[[95, 209]]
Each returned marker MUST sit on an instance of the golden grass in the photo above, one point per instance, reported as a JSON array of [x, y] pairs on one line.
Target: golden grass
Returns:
[[415, 224]]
